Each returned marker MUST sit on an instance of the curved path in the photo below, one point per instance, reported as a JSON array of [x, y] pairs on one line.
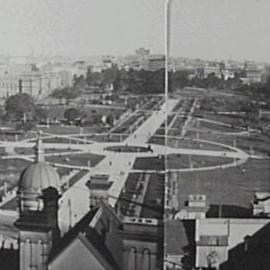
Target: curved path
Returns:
[[118, 165]]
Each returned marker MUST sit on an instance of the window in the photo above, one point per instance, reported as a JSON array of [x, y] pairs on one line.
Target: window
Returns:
[[146, 261]]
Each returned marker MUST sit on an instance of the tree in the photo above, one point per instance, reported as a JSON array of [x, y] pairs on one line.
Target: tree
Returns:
[[41, 113], [65, 93], [19, 106], [71, 114]]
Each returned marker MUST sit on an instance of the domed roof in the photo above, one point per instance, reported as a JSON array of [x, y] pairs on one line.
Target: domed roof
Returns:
[[38, 176]]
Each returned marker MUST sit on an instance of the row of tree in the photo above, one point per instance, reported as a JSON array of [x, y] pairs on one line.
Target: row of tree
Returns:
[[135, 81], [144, 81], [22, 109]]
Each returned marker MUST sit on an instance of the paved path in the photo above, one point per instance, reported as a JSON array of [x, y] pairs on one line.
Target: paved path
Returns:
[[75, 201], [151, 125]]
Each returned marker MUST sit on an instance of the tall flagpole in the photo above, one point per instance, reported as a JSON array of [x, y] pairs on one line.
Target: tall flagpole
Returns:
[[166, 176]]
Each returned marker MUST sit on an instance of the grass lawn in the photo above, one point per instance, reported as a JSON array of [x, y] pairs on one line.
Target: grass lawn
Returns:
[[77, 159], [62, 130], [226, 119], [62, 140], [106, 138], [149, 163], [10, 170], [259, 143], [217, 127], [24, 151], [12, 138], [176, 161], [190, 144], [232, 186]]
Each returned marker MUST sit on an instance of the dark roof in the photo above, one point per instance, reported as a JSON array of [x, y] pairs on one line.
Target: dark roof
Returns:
[[72, 234], [94, 238], [34, 220], [9, 259], [178, 236], [88, 236]]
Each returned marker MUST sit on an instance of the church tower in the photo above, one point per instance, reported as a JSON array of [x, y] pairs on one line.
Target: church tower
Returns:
[[38, 193]]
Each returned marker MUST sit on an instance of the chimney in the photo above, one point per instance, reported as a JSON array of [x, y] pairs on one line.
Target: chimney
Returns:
[[50, 198]]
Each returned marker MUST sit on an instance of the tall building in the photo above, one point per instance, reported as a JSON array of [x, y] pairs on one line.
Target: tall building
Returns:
[[156, 62], [32, 80]]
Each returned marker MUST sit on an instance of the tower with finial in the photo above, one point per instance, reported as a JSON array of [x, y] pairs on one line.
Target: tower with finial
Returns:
[[38, 193], [39, 151]]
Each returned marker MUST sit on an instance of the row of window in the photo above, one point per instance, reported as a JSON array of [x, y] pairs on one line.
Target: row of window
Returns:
[[134, 264], [9, 85]]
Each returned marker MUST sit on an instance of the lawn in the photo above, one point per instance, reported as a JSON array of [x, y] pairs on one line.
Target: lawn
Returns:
[[216, 127], [10, 170], [177, 161], [65, 130], [149, 163], [233, 187], [189, 143], [76, 159], [106, 138], [260, 144]]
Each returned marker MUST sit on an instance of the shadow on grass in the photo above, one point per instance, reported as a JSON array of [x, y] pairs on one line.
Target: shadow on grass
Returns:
[[228, 211]]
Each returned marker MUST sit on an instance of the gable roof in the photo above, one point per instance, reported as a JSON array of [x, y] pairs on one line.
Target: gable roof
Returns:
[[88, 236], [72, 235], [92, 239]]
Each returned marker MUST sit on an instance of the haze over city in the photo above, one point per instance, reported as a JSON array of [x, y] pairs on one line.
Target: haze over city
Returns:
[[209, 29]]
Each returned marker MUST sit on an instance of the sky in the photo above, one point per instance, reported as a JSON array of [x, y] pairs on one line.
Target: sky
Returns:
[[80, 27], [208, 29], [216, 29]]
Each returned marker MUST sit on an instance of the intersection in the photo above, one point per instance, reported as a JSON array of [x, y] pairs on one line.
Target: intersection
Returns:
[[119, 164]]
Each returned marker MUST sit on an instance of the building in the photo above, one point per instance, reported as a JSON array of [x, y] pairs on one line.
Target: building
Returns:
[[261, 204], [196, 208], [32, 80], [142, 59], [220, 243], [253, 74], [98, 189], [180, 245], [142, 243], [212, 69], [142, 52], [156, 62], [101, 239], [9, 85]]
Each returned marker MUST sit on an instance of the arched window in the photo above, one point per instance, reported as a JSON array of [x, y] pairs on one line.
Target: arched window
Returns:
[[146, 260], [132, 259]]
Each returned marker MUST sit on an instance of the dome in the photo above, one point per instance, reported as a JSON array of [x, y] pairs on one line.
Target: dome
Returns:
[[34, 179], [38, 176]]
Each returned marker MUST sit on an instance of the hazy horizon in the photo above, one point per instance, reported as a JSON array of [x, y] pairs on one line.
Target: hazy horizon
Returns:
[[207, 29]]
